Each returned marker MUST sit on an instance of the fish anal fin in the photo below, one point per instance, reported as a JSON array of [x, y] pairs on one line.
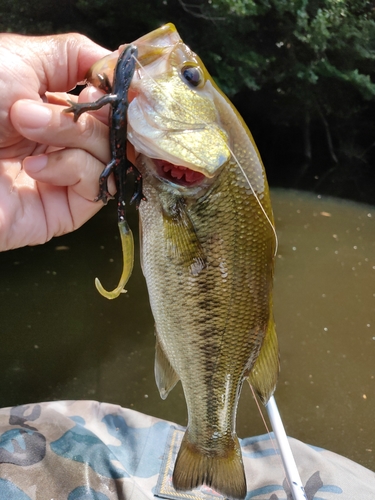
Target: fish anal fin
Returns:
[[264, 374], [165, 376], [223, 472]]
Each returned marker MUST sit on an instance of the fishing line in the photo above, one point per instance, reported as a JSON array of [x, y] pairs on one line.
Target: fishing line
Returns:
[[283, 451], [208, 125], [256, 197], [275, 449], [263, 419]]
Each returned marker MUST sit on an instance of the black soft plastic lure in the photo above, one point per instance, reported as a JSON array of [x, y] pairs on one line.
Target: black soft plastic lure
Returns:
[[117, 97]]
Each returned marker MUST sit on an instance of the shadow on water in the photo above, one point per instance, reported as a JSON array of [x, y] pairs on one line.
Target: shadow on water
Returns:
[[62, 340]]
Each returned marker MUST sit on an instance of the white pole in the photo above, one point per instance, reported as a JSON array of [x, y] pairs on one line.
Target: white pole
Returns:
[[292, 474]]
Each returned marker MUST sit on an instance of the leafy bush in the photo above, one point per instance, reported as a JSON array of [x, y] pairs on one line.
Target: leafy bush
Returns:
[[300, 71]]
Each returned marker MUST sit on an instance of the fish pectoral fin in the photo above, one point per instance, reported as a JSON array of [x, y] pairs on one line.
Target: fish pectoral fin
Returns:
[[182, 239], [264, 374], [165, 376], [223, 472]]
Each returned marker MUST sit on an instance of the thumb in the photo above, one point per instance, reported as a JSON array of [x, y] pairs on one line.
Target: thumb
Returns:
[[61, 61]]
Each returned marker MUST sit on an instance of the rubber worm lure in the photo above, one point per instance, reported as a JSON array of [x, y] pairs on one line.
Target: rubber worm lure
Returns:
[[117, 97]]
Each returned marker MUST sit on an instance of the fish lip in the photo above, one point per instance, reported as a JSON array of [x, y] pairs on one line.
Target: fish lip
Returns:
[[164, 168]]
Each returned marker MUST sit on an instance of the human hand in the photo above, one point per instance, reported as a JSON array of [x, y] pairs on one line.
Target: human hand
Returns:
[[49, 165]]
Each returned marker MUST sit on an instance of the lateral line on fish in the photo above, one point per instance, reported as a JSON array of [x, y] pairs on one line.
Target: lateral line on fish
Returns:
[[206, 124]]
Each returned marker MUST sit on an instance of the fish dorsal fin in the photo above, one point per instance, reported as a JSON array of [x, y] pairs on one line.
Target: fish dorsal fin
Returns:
[[264, 374], [182, 239], [165, 376]]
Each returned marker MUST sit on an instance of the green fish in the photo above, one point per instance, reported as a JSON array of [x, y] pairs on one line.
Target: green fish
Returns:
[[208, 245]]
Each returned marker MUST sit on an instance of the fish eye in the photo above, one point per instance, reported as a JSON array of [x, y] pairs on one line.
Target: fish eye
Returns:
[[192, 75]]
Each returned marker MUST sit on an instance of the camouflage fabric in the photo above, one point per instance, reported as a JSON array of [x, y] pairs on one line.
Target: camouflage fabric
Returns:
[[85, 450]]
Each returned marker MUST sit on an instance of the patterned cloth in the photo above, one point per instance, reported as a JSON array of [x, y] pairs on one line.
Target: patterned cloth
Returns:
[[85, 450]]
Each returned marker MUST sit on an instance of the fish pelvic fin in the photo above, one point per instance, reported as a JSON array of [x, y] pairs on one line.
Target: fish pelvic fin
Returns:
[[264, 374], [165, 376], [223, 472]]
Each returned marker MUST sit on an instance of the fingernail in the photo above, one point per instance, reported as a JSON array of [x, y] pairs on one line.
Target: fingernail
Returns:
[[34, 164], [33, 115]]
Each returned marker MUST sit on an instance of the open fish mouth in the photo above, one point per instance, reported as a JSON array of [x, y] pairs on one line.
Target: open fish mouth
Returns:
[[178, 174]]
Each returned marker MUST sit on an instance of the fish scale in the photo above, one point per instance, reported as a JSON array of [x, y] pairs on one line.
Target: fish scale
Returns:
[[210, 327]]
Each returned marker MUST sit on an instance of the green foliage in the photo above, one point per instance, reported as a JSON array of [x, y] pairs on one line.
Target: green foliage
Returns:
[[310, 67], [291, 47], [20, 17], [295, 46], [297, 64]]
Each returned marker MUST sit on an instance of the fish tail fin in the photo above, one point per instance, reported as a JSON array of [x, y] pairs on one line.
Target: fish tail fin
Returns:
[[222, 472]]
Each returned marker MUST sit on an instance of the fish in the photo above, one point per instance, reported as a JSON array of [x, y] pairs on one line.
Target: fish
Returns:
[[208, 246]]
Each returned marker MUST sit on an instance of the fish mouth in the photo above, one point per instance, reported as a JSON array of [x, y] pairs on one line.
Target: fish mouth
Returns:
[[178, 174]]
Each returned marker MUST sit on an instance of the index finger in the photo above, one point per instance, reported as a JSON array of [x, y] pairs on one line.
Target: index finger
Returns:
[[47, 124]]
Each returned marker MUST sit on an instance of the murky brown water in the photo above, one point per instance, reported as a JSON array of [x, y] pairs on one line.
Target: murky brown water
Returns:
[[61, 340]]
